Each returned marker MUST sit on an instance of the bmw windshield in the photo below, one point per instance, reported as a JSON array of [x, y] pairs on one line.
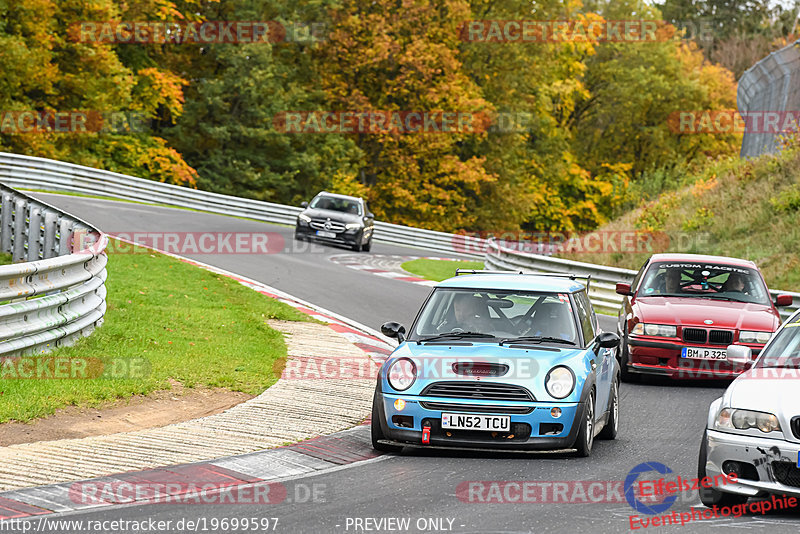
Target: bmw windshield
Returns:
[[704, 280]]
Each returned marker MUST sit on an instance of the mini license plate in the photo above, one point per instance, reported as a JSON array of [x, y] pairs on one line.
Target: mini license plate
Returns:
[[323, 233], [469, 421], [704, 354]]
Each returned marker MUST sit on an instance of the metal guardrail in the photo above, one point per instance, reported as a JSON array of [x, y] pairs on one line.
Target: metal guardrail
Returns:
[[602, 290], [39, 173], [58, 294], [772, 84]]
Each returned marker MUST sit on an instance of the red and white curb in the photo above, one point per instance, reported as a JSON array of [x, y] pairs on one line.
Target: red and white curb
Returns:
[[385, 266]]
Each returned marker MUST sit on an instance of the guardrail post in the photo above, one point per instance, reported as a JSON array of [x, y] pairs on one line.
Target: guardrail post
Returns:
[[35, 233], [50, 248], [20, 229], [6, 222]]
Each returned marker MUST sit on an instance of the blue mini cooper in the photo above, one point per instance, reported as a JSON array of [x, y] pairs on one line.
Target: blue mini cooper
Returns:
[[496, 360]]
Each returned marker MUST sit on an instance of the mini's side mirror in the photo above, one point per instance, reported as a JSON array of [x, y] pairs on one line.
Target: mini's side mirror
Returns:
[[624, 289], [739, 354], [607, 340], [783, 300], [304, 204], [394, 330]]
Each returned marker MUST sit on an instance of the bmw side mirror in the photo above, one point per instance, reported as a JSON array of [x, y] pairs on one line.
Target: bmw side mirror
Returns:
[[739, 354], [394, 330], [783, 300], [624, 289], [304, 204], [606, 340]]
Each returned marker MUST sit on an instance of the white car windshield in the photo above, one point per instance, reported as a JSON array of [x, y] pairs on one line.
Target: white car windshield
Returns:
[[784, 351]]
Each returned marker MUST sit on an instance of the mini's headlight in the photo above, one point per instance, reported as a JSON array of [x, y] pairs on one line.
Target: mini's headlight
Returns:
[[747, 336], [402, 374], [303, 217], [352, 226], [559, 382], [659, 330], [729, 418]]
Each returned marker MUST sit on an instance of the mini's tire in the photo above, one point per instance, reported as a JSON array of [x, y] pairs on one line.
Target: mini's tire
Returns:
[[376, 432], [612, 425], [585, 439], [712, 496]]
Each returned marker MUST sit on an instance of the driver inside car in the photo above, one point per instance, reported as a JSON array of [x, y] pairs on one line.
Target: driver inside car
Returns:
[[470, 314], [734, 283], [552, 319]]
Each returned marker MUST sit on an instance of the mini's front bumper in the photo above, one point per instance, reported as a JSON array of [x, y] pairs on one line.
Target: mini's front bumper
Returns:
[[761, 453], [536, 430]]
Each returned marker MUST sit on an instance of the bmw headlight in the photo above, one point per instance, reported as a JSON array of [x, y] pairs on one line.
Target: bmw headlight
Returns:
[[730, 419], [559, 382], [660, 330], [746, 336], [303, 217], [402, 374], [352, 226]]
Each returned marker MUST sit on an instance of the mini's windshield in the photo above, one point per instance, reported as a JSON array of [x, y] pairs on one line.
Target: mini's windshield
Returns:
[[704, 280], [784, 351], [499, 315], [336, 204]]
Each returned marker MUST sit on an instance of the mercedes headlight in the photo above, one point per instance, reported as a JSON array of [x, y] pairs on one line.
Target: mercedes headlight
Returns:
[[303, 217], [746, 336], [352, 226], [660, 330], [559, 382], [402, 374], [730, 419]]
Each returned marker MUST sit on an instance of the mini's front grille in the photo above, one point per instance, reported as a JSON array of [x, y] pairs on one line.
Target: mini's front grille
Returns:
[[796, 426], [475, 408], [720, 337], [477, 390], [332, 225], [694, 335], [787, 473]]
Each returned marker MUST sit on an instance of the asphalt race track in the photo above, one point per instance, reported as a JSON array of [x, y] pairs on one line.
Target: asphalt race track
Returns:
[[660, 422]]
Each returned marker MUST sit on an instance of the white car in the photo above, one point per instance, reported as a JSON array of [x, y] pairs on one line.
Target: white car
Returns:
[[753, 430]]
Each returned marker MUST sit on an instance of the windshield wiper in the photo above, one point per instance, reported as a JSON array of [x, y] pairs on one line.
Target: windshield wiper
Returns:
[[456, 335], [535, 339]]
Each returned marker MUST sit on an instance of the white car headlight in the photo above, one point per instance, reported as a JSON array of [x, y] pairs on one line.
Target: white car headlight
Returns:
[[660, 330], [559, 382], [747, 336], [402, 374], [304, 217], [352, 226], [730, 419]]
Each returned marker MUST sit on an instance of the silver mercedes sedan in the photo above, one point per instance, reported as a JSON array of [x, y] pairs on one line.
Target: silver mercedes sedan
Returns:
[[753, 430]]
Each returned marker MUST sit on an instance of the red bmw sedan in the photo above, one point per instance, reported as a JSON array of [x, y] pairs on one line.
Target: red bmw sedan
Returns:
[[682, 311]]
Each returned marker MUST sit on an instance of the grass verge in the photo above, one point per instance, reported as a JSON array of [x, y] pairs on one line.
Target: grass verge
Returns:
[[438, 270], [744, 208], [184, 323]]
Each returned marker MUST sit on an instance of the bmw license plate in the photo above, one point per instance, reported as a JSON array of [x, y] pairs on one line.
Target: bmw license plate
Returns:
[[323, 233], [468, 421], [703, 354]]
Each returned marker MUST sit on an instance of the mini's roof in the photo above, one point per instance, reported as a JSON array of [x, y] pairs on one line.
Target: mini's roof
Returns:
[[701, 258], [337, 195], [513, 281]]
